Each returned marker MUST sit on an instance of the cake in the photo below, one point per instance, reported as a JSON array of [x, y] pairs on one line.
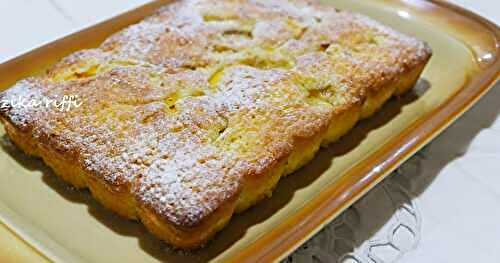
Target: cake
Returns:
[[196, 112]]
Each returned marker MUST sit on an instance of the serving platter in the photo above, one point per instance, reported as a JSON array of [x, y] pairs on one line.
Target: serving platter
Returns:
[[49, 221]]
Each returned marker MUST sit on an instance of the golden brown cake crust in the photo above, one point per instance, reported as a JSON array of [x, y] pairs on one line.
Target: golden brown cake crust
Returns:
[[186, 109]]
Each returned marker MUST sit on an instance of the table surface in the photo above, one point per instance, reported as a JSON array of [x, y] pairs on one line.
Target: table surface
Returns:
[[440, 206]]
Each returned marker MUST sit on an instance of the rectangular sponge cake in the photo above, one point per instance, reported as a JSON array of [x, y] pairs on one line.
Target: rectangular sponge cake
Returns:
[[196, 112]]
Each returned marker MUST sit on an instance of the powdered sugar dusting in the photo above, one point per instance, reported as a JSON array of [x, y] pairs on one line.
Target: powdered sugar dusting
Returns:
[[183, 106]]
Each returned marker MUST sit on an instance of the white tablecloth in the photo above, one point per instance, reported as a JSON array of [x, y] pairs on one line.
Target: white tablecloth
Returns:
[[441, 206]]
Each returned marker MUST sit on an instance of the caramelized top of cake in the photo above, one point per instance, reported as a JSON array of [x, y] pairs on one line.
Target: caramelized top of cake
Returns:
[[180, 107]]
